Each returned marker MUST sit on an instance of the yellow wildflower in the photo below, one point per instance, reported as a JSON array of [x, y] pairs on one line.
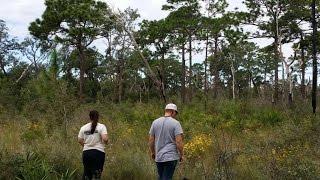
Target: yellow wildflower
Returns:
[[198, 145]]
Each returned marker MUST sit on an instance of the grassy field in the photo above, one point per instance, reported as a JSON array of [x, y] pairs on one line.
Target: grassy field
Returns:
[[230, 140]]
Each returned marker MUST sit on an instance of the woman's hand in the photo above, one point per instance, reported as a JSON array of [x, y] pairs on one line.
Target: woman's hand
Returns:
[[105, 138], [81, 141]]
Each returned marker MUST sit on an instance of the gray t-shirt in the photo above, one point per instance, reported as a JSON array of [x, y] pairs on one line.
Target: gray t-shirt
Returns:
[[165, 130]]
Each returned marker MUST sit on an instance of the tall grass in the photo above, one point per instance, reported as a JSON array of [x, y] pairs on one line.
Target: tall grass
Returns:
[[228, 140]]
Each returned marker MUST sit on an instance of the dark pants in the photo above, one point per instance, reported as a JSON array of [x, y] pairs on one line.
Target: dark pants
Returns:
[[166, 169], [93, 161]]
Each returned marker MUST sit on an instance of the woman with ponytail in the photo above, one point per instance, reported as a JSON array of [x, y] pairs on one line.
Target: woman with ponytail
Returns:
[[93, 136]]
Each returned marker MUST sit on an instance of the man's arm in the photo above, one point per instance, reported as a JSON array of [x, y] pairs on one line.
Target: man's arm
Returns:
[[179, 143], [151, 146]]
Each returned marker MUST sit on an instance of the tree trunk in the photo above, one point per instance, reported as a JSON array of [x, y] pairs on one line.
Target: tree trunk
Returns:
[[284, 83], [303, 71], [249, 81], [255, 88], [215, 69], [35, 64], [290, 98], [121, 73], [276, 71], [163, 72], [314, 60], [288, 86], [140, 95], [68, 73], [206, 73], [2, 67], [277, 54], [183, 78], [249, 84], [120, 79], [190, 69], [81, 64], [161, 79], [233, 81], [265, 74], [110, 50], [23, 73], [150, 73]]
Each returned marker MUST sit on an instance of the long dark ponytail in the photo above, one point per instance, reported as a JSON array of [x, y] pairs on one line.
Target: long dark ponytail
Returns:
[[94, 117]]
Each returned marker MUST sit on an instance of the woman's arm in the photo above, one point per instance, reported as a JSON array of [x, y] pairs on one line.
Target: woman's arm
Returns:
[[105, 138], [81, 141]]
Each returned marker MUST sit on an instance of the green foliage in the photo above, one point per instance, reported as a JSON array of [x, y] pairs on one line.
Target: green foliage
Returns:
[[8, 50], [73, 13], [33, 167], [68, 175], [48, 99], [9, 164], [54, 65], [132, 165], [8, 96], [80, 23], [245, 138], [270, 116], [33, 132], [231, 139]]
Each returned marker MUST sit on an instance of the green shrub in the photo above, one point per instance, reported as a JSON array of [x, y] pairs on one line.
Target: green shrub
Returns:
[[33, 167], [68, 175], [33, 131], [270, 117]]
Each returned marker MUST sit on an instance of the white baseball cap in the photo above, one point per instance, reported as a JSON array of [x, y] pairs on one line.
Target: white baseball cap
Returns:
[[172, 107]]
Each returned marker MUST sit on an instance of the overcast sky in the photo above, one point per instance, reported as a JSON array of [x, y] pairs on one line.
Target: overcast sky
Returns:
[[19, 13]]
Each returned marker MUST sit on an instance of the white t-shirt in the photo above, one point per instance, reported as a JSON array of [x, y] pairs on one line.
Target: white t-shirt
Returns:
[[93, 141]]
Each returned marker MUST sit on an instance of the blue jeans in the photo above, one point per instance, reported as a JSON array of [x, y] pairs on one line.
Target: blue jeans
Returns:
[[166, 169]]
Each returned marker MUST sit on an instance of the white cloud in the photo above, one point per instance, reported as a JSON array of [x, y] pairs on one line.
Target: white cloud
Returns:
[[236, 4], [121, 4], [148, 9], [19, 13]]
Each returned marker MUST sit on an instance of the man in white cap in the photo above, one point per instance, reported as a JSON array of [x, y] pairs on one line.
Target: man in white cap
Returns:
[[166, 142]]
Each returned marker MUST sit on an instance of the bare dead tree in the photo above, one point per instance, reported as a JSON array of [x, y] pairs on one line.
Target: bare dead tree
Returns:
[[150, 73], [33, 51]]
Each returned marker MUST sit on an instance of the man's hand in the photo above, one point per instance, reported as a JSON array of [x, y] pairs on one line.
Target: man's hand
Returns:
[[179, 142], [151, 147], [182, 159]]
